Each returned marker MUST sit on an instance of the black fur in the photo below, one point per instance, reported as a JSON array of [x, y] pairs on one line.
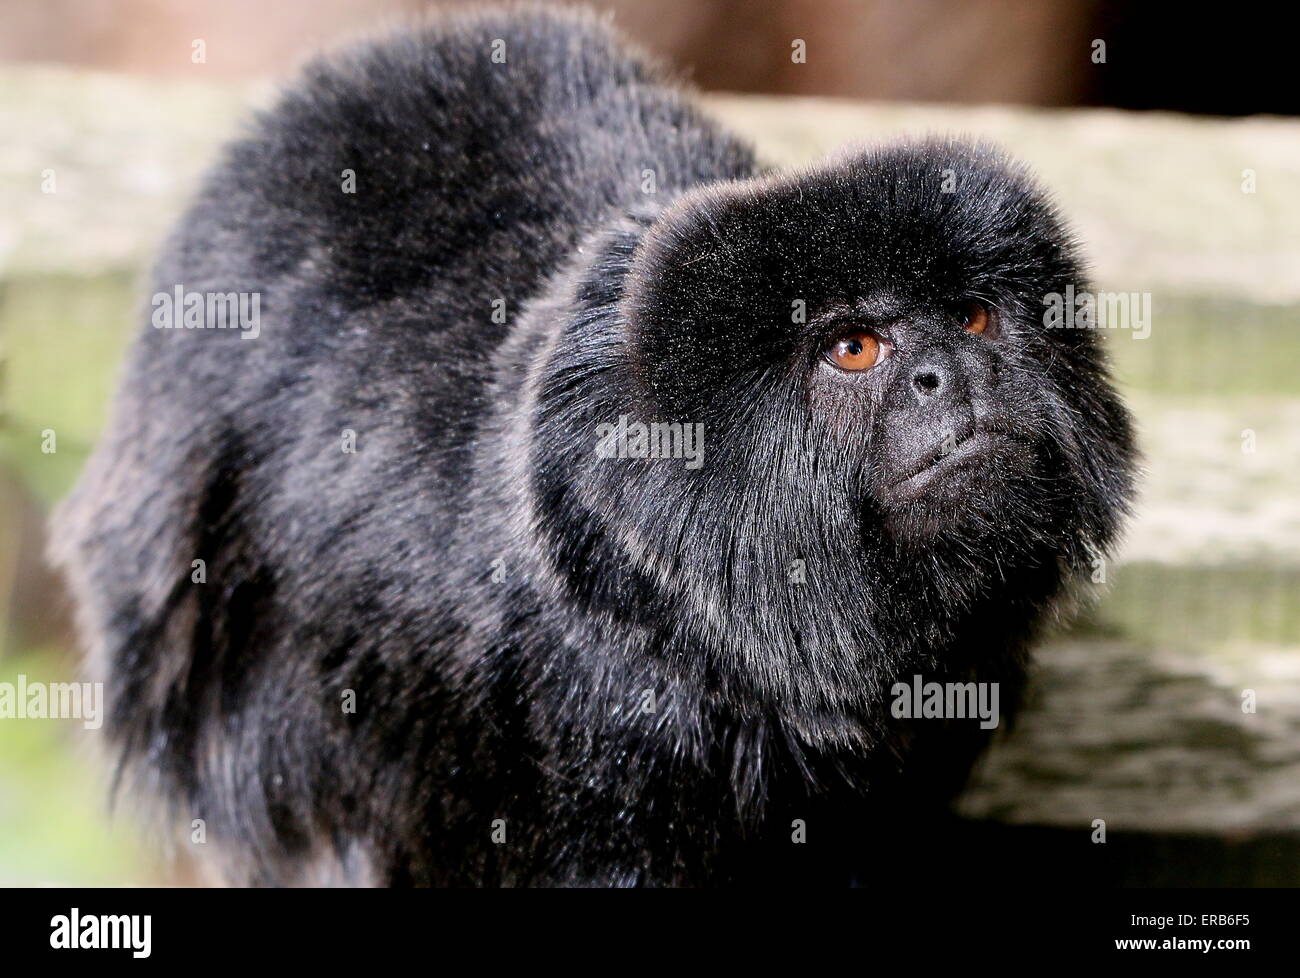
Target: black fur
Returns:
[[502, 600]]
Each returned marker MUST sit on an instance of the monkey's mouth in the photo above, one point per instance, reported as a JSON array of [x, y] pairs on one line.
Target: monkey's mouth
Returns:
[[969, 453]]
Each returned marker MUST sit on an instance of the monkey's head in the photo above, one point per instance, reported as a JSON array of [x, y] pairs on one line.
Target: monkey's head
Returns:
[[886, 313], [864, 348]]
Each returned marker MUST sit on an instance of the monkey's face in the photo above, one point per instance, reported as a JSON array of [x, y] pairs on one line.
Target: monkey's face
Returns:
[[871, 334], [947, 420]]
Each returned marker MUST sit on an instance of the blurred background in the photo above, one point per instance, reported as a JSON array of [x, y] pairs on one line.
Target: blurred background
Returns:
[[1170, 142], [1025, 52]]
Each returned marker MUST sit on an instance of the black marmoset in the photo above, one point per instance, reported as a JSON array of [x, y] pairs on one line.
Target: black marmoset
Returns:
[[567, 494]]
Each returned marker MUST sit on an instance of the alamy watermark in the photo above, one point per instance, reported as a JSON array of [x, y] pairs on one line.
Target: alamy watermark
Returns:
[[659, 439], [24, 700], [1098, 310], [180, 309], [100, 932], [919, 700]]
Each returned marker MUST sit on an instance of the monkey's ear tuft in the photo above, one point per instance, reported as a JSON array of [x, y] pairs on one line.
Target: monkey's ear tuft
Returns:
[[705, 301]]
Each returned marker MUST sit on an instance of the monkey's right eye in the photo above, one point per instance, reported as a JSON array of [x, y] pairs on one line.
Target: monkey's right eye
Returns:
[[860, 351]]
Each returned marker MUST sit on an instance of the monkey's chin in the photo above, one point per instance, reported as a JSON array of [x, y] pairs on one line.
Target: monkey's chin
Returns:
[[949, 474], [956, 493]]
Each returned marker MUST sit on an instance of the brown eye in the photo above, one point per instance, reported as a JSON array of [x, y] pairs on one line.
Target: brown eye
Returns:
[[861, 351], [977, 318]]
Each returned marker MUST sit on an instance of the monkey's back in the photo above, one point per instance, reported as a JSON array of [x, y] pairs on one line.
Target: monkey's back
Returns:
[[390, 203]]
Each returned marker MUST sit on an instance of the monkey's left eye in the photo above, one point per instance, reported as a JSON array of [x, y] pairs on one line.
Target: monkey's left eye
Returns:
[[860, 351], [975, 318]]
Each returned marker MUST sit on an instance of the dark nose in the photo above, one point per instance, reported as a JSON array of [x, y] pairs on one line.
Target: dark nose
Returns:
[[928, 380], [933, 380]]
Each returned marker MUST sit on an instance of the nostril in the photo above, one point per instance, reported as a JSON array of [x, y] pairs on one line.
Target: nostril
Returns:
[[926, 381]]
